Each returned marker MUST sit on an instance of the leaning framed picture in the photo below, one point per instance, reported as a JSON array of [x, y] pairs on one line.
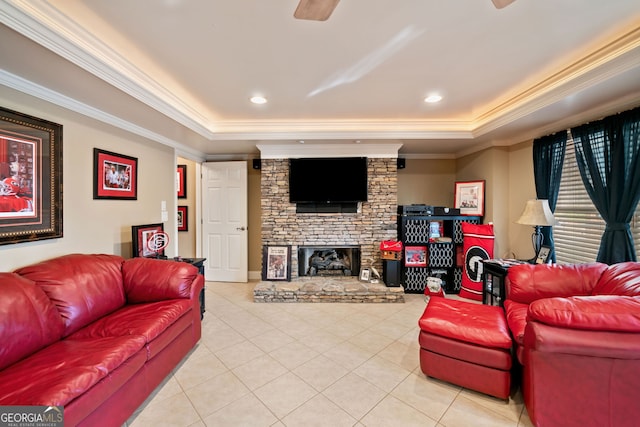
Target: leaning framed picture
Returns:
[[415, 256], [115, 176], [30, 178], [469, 197], [181, 180], [543, 256], [149, 240], [276, 263], [183, 225]]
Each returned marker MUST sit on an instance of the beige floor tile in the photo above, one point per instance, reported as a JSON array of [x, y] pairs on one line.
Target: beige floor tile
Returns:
[[238, 354], [176, 411], [354, 394], [511, 409], [464, 412], [285, 394], [195, 371], [216, 393], [429, 396], [319, 412], [259, 371], [383, 374], [247, 411], [348, 355], [272, 340], [406, 356], [371, 341], [320, 372], [293, 355], [393, 412], [321, 341]]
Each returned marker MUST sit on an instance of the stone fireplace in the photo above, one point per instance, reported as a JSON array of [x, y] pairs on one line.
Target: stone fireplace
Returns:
[[375, 220], [328, 260]]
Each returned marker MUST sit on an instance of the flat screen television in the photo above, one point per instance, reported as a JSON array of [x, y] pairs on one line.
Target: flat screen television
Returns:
[[328, 180]]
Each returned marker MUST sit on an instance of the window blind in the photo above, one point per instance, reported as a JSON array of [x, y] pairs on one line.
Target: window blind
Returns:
[[577, 237]]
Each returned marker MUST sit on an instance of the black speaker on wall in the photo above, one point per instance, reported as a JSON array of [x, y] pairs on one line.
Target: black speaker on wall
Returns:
[[257, 164], [401, 163]]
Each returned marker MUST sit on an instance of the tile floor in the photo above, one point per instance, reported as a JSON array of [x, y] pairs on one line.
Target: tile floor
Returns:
[[324, 364]]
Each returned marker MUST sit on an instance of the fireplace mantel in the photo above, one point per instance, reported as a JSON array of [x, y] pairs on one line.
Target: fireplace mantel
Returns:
[[287, 151]]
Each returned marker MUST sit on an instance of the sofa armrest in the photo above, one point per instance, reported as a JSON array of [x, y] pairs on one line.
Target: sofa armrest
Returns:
[[598, 313], [562, 341], [148, 280]]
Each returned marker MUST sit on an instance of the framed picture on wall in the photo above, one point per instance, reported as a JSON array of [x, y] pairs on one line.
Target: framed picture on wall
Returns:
[[181, 178], [30, 178], [276, 263], [115, 176], [469, 197], [183, 224], [149, 240]]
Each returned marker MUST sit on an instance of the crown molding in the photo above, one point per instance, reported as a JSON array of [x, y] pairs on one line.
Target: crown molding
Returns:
[[47, 26], [284, 151], [25, 86]]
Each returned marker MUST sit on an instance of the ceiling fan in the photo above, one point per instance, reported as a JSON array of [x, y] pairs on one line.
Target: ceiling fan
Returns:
[[320, 10]]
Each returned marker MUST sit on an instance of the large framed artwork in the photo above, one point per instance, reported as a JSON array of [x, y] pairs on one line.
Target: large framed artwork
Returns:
[[469, 197], [181, 178], [30, 178], [149, 240], [115, 176], [276, 263]]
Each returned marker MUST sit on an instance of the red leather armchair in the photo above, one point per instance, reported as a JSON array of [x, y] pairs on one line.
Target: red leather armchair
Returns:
[[577, 335]]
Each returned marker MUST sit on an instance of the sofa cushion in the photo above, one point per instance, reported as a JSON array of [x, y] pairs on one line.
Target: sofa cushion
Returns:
[[66, 369], [619, 279], [148, 279], [158, 322], [599, 313], [529, 282], [83, 287], [28, 319]]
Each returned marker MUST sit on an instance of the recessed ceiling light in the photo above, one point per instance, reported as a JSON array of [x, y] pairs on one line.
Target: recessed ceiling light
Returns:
[[301, 142], [433, 98], [258, 99]]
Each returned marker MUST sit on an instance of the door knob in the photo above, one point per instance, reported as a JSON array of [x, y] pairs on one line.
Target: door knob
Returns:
[[240, 228]]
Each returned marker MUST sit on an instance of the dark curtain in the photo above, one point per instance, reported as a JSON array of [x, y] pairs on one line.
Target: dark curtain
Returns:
[[608, 156], [548, 158]]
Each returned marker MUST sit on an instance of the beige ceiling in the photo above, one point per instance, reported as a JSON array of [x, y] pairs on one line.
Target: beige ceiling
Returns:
[[181, 72]]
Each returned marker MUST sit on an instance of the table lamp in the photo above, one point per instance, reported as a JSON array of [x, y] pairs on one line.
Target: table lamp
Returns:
[[537, 213]]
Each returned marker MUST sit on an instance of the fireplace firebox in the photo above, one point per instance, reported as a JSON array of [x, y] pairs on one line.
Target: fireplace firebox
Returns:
[[328, 260]]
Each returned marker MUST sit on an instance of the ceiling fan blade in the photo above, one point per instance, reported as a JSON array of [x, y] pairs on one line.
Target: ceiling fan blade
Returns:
[[315, 10], [499, 4]]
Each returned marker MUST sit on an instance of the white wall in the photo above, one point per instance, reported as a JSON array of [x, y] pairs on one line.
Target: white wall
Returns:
[[96, 226]]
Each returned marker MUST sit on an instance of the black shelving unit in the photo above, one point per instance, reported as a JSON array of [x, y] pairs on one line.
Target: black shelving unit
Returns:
[[443, 260]]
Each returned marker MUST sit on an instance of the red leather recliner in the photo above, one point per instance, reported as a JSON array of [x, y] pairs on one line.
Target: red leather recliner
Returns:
[[577, 335]]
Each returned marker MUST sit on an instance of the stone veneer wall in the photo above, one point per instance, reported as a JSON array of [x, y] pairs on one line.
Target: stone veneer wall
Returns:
[[376, 220]]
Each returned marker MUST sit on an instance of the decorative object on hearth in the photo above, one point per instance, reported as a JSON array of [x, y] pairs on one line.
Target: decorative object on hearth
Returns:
[[391, 249], [276, 263], [538, 214], [477, 246]]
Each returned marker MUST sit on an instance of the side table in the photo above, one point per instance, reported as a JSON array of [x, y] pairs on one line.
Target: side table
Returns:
[[494, 272], [199, 263]]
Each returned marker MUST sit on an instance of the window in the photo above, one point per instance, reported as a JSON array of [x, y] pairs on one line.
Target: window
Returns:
[[577, 237]]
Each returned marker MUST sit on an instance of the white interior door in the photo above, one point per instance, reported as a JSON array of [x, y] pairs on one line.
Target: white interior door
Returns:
[[224, 216]]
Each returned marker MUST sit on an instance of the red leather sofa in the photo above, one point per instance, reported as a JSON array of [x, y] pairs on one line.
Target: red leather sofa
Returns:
[[95, 333], [577, 336]]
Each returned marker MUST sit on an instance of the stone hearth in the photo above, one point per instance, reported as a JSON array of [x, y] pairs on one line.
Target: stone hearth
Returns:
[[326, 289]]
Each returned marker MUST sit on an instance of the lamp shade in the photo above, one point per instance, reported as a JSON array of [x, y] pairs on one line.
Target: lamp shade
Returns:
[[537, 212]]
